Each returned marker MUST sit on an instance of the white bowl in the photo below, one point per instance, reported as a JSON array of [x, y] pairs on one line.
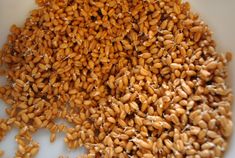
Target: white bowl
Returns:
[[218, 14]]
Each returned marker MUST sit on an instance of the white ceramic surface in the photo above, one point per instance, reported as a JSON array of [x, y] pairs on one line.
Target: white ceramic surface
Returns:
[[218, 14]]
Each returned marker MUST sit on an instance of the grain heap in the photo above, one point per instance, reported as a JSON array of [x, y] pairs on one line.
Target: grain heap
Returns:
[[136, 78]]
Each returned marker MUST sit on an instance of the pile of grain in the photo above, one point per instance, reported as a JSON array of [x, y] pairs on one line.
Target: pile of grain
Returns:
[[135, 78]]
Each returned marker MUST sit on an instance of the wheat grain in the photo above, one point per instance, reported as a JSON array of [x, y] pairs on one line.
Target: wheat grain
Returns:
[[134, 78]]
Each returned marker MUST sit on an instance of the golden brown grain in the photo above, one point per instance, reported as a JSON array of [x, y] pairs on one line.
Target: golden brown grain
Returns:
[[1, 153], [134, 79]]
